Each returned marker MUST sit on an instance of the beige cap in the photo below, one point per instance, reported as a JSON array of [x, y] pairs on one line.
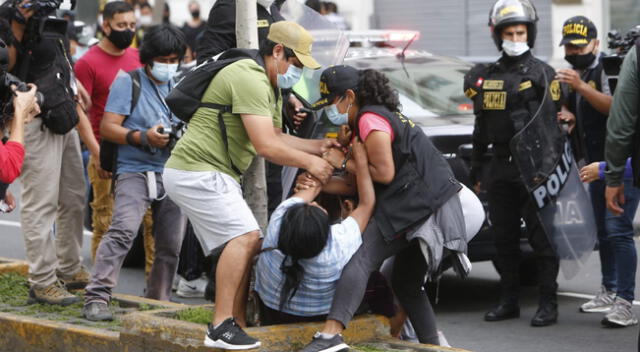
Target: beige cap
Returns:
[[296, 38]]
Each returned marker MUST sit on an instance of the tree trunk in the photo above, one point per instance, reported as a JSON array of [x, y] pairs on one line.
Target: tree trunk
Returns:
[[254, 181]]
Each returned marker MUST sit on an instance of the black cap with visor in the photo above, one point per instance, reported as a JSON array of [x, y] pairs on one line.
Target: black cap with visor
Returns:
[[334, 81]]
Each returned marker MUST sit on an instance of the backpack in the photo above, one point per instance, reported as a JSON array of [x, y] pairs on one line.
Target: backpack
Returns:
[[186, 96], [109, 150], [49, 67]]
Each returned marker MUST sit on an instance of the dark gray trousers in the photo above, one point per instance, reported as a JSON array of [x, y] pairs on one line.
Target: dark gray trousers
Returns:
[[407, 281], [131, 203]]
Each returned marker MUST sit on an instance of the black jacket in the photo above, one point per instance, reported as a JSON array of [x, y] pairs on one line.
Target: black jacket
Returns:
[[506, 95], [423, 180], [220, 33], [591, 124]]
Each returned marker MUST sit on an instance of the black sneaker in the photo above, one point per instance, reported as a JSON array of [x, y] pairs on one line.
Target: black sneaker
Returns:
[[229, 336], [320, 344]]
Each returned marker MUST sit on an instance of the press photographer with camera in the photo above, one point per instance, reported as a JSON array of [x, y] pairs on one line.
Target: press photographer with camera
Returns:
[[140, 122], [52, 180]]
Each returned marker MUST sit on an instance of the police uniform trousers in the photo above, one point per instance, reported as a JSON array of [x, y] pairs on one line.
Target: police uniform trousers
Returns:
[[509, 201]]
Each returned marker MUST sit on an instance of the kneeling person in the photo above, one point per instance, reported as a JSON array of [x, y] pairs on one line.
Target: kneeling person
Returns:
[[142, 152], [204, 172], [303, 255]]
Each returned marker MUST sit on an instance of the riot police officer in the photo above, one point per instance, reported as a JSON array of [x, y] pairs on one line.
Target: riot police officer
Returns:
[[506, 95]]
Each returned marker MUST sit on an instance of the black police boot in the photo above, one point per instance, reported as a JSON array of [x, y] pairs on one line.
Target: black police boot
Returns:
[[547, 313], [508, 307], [503, 311]]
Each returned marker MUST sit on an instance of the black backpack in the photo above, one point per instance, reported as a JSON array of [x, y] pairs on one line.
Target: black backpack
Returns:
[[186, 96], [109, 150], [49, 67]]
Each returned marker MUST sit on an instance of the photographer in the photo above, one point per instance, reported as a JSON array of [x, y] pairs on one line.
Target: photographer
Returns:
[[142, 130], [12, 152], [53, 187]]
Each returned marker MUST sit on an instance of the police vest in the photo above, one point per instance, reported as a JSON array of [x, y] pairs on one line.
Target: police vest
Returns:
[[423, 180], [592, 125], [506, 95]]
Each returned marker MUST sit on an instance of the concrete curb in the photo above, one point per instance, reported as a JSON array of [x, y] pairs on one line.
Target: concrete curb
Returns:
[[8, 265], [29, 334], [158, 330], [26, 334]]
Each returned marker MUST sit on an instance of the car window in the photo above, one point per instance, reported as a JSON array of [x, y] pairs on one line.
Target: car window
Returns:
[[436, 88]]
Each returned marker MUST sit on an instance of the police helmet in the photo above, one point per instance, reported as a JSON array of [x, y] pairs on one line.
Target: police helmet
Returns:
[[509, 12]]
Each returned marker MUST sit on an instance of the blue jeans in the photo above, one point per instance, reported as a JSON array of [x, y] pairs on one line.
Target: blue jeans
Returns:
[[618, 258]]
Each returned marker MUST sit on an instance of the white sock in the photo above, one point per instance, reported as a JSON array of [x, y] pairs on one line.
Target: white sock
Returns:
[[327, 336]]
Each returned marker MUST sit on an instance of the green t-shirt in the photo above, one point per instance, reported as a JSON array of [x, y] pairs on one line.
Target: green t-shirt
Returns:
[[245, 86]]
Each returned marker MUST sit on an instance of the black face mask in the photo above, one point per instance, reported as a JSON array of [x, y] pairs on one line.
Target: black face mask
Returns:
[[121, 39], [580, 62], [195, 14]]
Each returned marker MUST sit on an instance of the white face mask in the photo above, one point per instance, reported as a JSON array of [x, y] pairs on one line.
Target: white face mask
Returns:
[[514, 48], [145, 20]]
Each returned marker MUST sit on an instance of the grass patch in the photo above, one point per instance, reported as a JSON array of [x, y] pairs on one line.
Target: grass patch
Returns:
[[14, 294], [198, 315]]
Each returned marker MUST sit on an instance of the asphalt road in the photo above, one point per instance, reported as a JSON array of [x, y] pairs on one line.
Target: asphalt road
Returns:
[[460, 307]]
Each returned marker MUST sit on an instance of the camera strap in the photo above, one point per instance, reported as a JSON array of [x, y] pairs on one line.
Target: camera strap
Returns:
[[152, 186]]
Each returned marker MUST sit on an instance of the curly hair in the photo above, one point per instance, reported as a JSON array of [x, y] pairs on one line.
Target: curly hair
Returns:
[[374, 89]]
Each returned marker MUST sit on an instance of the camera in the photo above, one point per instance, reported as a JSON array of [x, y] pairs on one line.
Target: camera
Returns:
[[42, 8], [175, 132], [620, 46], [6, 81]]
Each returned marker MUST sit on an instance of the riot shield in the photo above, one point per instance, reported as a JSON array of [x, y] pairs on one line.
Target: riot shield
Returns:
[[330, 47], [549, 172]]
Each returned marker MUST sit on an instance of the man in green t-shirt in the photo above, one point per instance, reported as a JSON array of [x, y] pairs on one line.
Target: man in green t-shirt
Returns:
[[203, 175]]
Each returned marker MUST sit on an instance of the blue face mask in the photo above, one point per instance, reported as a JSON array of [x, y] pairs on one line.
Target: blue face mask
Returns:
[[164, 72], [290, 78], [336, 117]]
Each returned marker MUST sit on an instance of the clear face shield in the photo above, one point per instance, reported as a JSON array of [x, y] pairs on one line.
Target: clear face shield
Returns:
[[329, 47]]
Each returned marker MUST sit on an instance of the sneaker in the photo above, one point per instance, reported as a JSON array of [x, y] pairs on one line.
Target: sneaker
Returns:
[[191, 289], [54, 294], [229, 336], [77, 281], [601, 303], [322, 344], [621, 315], [176, 281], [97, 311]]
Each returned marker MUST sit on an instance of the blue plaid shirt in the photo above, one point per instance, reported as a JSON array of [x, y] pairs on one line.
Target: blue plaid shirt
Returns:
[[321, 273]]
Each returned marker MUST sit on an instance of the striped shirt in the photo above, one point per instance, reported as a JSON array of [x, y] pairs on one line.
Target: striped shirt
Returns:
[[321, 273]]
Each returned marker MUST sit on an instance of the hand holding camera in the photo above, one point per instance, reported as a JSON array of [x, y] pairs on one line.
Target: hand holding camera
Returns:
[[26, 100], [157, 136]]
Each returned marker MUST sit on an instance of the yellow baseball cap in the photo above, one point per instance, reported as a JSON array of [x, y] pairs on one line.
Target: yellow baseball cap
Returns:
[[296, 38]]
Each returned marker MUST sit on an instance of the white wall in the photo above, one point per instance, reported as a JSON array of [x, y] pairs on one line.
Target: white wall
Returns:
[[595, 10]]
